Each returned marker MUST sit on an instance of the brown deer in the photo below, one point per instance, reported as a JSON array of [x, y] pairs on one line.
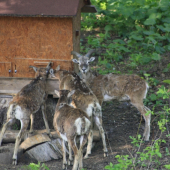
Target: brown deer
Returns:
[[84, 99], [111, 86], [69, 123], [25, 104]]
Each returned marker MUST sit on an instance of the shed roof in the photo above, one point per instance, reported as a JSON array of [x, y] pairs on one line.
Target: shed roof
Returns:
[[54, 8]]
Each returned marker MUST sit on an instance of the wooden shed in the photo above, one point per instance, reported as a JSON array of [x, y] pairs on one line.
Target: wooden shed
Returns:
[[35, 32]]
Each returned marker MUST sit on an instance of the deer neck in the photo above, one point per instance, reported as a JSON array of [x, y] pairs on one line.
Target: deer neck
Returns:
[[88, 77], [42, 82]]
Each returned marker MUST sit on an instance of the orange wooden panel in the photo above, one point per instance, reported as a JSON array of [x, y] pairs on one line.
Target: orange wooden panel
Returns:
[[23, 70], [27, 39], [5, 69]]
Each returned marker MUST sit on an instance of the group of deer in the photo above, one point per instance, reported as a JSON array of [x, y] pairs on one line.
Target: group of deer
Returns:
[[78, 107]]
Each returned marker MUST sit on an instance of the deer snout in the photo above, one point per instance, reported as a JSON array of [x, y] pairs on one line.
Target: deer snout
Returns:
[[84, 69]]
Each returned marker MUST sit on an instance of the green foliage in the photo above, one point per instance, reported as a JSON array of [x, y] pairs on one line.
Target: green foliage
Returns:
[[167, 81], [15, 127], [142, 27], [105, 67], [165, 93], [39, 166]]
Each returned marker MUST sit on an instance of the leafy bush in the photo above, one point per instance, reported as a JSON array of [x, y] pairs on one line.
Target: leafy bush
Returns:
[[143, 29]]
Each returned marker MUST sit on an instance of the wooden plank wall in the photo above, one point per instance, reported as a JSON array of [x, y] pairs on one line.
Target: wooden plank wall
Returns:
[[34, 41]]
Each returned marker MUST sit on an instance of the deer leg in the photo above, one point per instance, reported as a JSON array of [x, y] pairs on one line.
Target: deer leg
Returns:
[[72, 143], [100, 127], [89, 146], [70, 161], [5, 126], [143, 110], [147, 118], [83, 141], [24, 125], [64, 155], [43, 108], [32, 123]]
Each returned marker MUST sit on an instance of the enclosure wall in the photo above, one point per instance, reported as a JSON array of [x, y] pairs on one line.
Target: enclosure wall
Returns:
[[34, 41]]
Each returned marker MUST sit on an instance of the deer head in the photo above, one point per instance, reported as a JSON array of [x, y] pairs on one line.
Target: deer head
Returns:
[[83, 60], [41, 71], [64, 97]]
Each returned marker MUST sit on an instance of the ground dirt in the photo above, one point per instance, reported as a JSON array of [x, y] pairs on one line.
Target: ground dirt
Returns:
[[120, 120]]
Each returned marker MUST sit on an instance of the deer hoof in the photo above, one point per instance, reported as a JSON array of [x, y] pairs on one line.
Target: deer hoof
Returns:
[[14, 162], [70, 162], [86, 156], [31, 131], [105, 154], [64, 166]]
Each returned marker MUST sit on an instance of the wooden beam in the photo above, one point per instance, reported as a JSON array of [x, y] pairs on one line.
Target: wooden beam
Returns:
[[10, 135], [12, 85], [39, 146]]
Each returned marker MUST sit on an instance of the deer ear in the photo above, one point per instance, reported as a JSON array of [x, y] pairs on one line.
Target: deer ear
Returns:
[[35, 68], [57, 93], [57, 68], [71, 93], [49, 65], [91, 59], [75, 60]]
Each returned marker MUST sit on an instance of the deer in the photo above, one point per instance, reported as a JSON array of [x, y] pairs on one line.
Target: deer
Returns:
[[25, 104], [70, 123], [111, 86], [84, 99]]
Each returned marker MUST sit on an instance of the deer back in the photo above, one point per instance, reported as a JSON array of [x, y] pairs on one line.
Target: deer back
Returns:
[[65, 116], [31, 96], [83, 95], [117, 86]]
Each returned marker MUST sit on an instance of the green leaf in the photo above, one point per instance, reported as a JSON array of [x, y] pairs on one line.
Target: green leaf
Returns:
[[151, 20], [108, 28], [167, 20], [160, 27], [159, 154], [164, 141], [168, 47], [148, 32], [152, 39], [165, 70], [167, 27], [167, 81], [153, 97], [167, 166], [139, 38], [156, 56], [127, 11], [119, 41]]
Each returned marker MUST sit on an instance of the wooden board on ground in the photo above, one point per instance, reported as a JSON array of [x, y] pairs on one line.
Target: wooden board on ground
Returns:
[[38, 146], [10, 135]]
